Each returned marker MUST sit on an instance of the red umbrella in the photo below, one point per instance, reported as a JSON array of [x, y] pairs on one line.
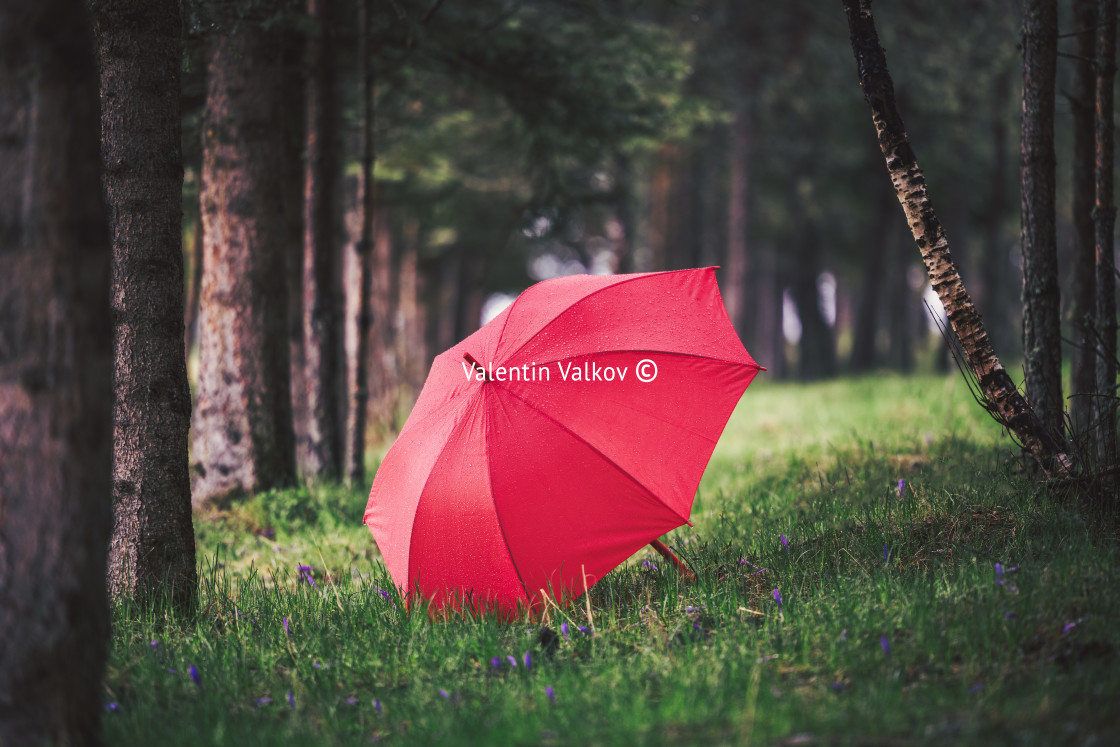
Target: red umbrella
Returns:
[[560, 438]]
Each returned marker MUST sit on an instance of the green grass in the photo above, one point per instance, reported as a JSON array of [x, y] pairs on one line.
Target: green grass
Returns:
[[971, 661]]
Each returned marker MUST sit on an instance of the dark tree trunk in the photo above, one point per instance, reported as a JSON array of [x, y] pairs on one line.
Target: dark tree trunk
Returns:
[[622, 242], [994, 265], [152, 550], [1083, 377], [1042, 344], [324, 356], [1001, 397], [413, 348], [1105, 213], [817, 349], [356, 471], [864, 353], [243, 438], [736, 294], [56, 370]]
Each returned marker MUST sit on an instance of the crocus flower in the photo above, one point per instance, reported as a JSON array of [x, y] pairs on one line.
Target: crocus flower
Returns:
[[317, 665], [528, 661], [352, 701], [550, 693], [886, 555], [113, 706], [844, 634], [975, 689], [886, 645], [785, 543], [377, 705], [384, 594], [512, 661], [443, 694], [648, 564], [582, 628], [496, 662], [564, 629], [263, 701], [291, 699], [155, 645], [195, 675], [901, 487], [305, 574], [778, 598], [286, 628], [999, 570]]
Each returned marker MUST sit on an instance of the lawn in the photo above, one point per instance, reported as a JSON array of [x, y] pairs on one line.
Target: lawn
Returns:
[[873, 568]]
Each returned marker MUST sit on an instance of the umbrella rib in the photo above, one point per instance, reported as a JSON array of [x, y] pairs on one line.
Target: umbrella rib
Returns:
[[633, 278], [605, 458], [497, 514]]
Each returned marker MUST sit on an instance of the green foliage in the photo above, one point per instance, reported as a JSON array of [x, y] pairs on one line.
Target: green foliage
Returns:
[[972, 655]]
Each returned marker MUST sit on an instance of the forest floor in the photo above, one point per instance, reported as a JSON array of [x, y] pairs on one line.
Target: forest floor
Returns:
[[965, 605]]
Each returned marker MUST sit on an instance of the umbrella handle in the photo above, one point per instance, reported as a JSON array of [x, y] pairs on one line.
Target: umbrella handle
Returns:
[[666, 553]]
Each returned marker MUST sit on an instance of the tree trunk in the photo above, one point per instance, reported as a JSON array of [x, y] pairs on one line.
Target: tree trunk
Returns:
[[356, 471], [994, 276], [1083, 292], [1042, 343], [735, 286], [323, 352], [1001, 397], [152, 550], [1104, 224], [56, 370], [865, 356], [243, 438], [817, 349]]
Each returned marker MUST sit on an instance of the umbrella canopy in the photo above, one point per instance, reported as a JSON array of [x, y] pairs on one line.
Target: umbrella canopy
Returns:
[[558, 439]]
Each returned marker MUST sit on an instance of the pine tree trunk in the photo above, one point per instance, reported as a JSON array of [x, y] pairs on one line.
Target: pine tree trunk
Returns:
[[56, 370], [1001, 397], [1105, 214], [356, 471], [152, 549], [1042, 344], [1083, 295], [324, 356], [243, 438]]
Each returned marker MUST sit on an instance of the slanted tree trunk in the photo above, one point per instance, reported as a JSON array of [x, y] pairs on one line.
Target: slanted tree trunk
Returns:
[[1001, 397], [152, 550], [56, 370], [356, 471], [1042, 343], [1083, 375], [324, 356], [243, 438], [1105, 213]]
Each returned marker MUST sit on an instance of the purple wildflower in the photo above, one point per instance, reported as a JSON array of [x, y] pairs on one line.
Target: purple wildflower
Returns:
[[582, 628], [512, 662], [172, 671], [443, 694], [195, 675], [550, 693], [286, 628], [114, 707], [305, 572], [648, 564], [886, 645], [975, 689], [155, 645], [886, 555], [352, 701], [528, 660], [785, 543], [291, 699], [999, 570], [377, 705], [263, 701], [1010, 615], [317, 665], [837, 687], [778, 598], [1069, 626], [901, 487], [496, 662], [844, 635], [384, 594], [564, 629]]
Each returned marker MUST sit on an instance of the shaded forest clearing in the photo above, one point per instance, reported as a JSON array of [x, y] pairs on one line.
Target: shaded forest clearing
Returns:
[[834, 603]]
